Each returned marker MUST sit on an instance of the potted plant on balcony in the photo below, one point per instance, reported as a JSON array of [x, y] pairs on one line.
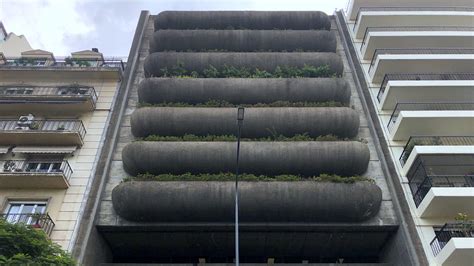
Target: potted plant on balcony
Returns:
[[61, 127], [9, 166], [68, 61], [465, 226]]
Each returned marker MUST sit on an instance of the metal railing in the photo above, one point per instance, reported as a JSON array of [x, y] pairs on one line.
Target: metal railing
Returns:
[[18, 91], [52, 167], [421, 189], [433, 141], [426, 107], [450, 230], [401, 51], [36, 220], [66, 62], [389, 77], [409, 8], [412, 28], [36, 125]]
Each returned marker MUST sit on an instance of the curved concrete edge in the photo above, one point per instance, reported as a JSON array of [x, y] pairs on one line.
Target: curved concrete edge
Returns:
[[243, 40], [243, 90], [263, 20], [305, 158], [155, 62], [260, 202], [259, 122]]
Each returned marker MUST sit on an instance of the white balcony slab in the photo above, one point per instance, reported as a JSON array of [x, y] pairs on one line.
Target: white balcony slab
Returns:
[[354, 5], [447, 202], [426, 91], [415, 40], [392, 18], [432, 123], [458, 251]]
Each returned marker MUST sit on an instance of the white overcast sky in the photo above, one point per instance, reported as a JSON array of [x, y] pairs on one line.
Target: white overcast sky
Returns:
[[65, 26]]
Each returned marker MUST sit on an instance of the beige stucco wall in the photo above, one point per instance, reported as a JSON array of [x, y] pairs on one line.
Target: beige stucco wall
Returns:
[[14, 45], [64, 206]]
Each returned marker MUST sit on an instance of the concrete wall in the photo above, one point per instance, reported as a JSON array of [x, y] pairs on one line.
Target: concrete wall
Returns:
[[243, 91]]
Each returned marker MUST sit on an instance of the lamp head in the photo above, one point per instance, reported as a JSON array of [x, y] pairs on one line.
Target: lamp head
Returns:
[[240, 114]]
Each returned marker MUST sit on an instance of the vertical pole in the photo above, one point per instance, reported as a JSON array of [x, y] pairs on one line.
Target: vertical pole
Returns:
[[239, 123]]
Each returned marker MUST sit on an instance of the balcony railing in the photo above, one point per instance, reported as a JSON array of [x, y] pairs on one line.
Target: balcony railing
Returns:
[[412, 28], [35, 220], [62, 63], [420, 190], [389, 77], [434, 141], [408, 8], [43, 167], [27, 91], [426, 107], [401, 51], [451, 230], [36, 125]]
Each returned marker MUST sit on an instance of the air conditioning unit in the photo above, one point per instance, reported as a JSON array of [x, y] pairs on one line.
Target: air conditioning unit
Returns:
[[25, 120]]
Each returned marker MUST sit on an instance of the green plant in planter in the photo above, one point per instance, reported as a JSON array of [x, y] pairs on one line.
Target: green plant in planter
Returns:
[[68, 61], [464, 224], [61, 127], [34, 125]]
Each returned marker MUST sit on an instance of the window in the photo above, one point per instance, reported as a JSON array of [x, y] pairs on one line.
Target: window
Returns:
[[25, 212], [43, 167]]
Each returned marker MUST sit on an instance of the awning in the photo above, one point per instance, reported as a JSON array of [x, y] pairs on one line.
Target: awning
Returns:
[[4, 149], [44, 149]]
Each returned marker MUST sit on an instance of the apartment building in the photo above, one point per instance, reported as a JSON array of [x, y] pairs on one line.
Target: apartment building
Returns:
[[415, 61], [166, 194], [54, 114]]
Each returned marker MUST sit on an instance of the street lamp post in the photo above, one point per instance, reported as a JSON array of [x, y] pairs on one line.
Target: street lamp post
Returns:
[[240, 121]]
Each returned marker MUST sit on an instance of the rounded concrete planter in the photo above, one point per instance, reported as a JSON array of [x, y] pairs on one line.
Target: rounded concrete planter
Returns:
[[259, 122], [243, 40], [263, 61], [243, 91], [306, 158], [253, 20], [260, 202]]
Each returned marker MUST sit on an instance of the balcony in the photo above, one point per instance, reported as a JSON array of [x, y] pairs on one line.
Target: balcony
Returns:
[[415, 38], [35, 174], [438, 119], [21, 99], [29, 131], [35, 220], [442, 185], [426, 88], [353, 6], [433, 141], [421, 61], [454, 244], [70, 67], [411, 16]]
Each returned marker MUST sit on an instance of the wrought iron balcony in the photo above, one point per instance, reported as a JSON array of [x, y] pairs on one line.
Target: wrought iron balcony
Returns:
[[31, 97], [389, 77], [424, 51], [451, 230], [408, 8], [426, 107], [67, 62], [420, 190], [35, 220], [35, 174], [30, 131], [434, 141]]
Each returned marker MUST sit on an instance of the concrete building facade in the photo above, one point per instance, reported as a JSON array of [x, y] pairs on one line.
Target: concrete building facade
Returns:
[[415, 60], [54, 114], [165, 195]]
